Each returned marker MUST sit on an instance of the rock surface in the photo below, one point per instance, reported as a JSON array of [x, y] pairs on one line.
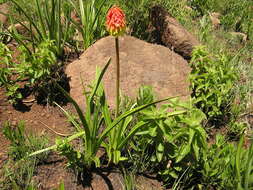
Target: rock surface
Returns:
[[4, 8], [215, 19], [20, 28], [239, 36], [141, 63], [172, 33]]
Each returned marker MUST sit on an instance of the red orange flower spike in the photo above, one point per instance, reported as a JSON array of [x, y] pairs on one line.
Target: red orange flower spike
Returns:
[[115, 21]]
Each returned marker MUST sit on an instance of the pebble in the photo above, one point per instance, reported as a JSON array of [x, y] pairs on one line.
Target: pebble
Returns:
[[9, 112], [14, 123], [43, 132], [43, 114]]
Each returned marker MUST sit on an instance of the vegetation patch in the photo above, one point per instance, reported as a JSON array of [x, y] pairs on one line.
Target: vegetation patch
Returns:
[[204, 142]]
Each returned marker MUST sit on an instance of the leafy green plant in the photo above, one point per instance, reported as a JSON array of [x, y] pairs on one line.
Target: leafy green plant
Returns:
[[243, 166], [145, 95], [21, 144], [6, 72], [212, 82], [37, 72], [45, 21], [97, 114], [41, 70], [5, 61], [227, 166], [120, 135], [17, 174], [91, 14], [175, 138], [216, 159], [38, 66], [138, 25], [200, 6], [205, 28], [235, 15], [129, 180], [139, 152], [236, 129], [18, 171], [18, 147]]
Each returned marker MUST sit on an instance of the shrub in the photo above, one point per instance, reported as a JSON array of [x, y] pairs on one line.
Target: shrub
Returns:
[[38, 71], [17, 173], [212, 80], [176, 137], [6, 64], [235, 15], [228, 166], [138, 15], [91, 15], [89, 129], [43, 21]]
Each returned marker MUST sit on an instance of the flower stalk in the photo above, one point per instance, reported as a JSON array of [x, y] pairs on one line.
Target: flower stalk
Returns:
[[117, 75], [116, 26]]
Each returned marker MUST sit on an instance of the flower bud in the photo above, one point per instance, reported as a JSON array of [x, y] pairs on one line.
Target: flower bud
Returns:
[[115, 21]]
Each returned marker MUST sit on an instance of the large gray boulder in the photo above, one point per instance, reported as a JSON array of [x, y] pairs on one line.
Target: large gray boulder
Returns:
[[141, 63]]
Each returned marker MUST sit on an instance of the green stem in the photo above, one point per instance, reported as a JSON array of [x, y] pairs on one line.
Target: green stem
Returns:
[[117, 75]]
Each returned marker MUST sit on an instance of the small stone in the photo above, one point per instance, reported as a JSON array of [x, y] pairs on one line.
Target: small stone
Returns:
[[188, 8], [4, 9], [48, 115], [14, 123], [250, 120], [239, 36], [9, 112], [43, 115], [43, 132], [35, 122], [214, 17]]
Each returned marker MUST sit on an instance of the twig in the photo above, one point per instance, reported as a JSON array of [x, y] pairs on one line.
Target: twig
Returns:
[[28, 101], [247, 113], [60, 134]]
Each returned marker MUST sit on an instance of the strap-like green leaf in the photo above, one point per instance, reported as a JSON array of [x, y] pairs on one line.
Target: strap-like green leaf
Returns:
[[72, 119], [94, 90], [126, 114], [27, 16], [131, 133], [79, 112], [69, 139], [237, 161]]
